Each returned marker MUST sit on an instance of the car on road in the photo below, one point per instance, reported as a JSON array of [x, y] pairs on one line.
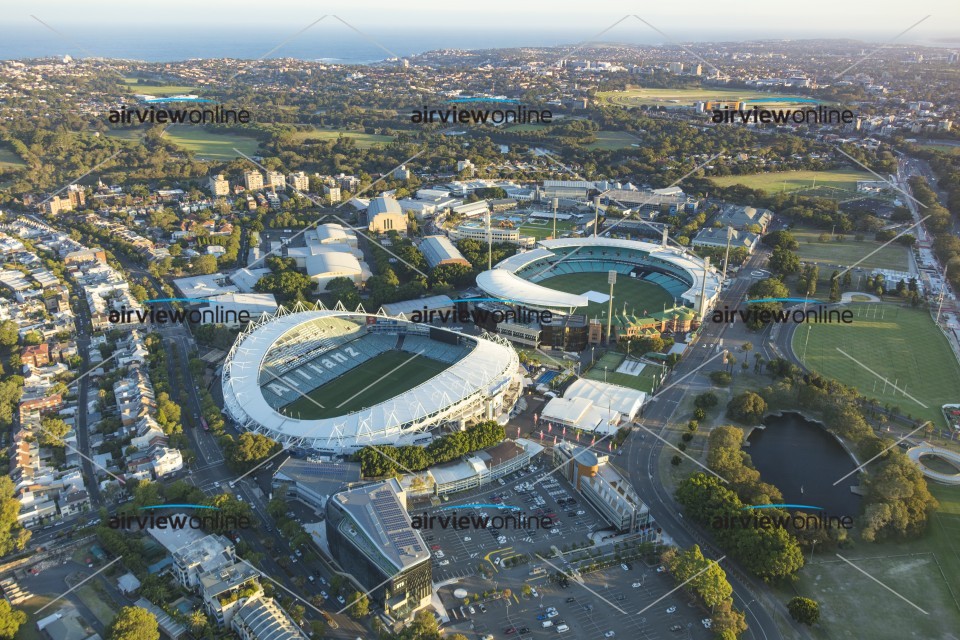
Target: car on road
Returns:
[[323, 594], [467, 538], [672, 609], [636, 585], [571, 599], [483, 609], [341, 600], [553, 614], [541, 616], [444, 563], [510, 630], [676, 628], [609, 634], [311, 578], [661, 569], [435, 547], [623, 565]]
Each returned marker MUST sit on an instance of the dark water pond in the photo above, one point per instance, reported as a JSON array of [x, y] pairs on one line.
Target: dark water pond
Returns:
[[800, 458]]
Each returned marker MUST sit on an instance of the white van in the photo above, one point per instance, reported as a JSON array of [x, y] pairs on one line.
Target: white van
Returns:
[[547, 623], [563, 628]]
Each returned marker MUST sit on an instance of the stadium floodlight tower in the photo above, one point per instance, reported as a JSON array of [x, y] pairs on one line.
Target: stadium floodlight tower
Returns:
[[556, 203], [612, 279]]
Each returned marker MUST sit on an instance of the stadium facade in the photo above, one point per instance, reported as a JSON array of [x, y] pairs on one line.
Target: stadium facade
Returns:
[[290, 356]]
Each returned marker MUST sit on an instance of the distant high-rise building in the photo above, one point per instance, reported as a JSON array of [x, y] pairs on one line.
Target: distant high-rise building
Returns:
[[698, 70], [299, 181], [676, 67], [253, 180], [276, 180], [401, 173], [332, 192], [219, 185]]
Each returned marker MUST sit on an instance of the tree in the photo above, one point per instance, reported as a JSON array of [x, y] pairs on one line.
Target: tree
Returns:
[[804, 610], [250, 449], [52, 432], [835, 294], [706, 400], [9, 333], [10, 620], [198, 621], [747, 408], [133, 623], [769, 288], [204, 265], [360, 607], [783, 262], [13, 537]]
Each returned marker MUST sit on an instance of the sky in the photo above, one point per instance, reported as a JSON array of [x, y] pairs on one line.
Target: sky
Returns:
[[94, 25]]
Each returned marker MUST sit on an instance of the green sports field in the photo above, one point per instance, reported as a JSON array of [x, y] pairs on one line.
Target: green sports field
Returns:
[[9, 159], [636, 97], [613, 141], [925, 570], [849, 251], [386, 375], [636, 294], [157, 89], [899, 343], [363, 140], [842, 182], [543, 228], [207, 144], [645, 381]]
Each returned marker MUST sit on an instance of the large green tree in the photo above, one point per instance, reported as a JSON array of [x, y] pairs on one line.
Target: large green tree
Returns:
[[10, 620], [804, 610], [134, 623]]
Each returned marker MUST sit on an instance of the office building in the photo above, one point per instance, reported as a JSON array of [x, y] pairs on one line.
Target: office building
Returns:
[[370, 532]]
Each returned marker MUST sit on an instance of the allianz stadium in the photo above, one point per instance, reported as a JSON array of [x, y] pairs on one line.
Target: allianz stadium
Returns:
[[580, 265], [336, 381]]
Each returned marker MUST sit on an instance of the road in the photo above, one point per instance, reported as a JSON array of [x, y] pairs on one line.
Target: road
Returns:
[[643, 451]]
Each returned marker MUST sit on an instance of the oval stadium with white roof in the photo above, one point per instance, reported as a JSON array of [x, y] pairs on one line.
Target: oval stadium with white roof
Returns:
[[336, 381], [569, 274]]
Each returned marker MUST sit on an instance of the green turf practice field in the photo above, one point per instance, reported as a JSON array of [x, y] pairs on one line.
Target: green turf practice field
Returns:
[[543, 228], [645, 381], [157, 89], [842, 182], [924, 570], [636, 97], [637, 294], [386, 375], [364, 140], [613, 140], [849, 251], [900, 343]]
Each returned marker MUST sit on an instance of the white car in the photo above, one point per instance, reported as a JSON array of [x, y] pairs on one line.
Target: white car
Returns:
[[323, 594], [553, 614], [341, 600], [672, 609], [472, 611], [444, 563], [661, 569], [636, 585], [609, 634], [502, 540], [707, 623], [467, 539], [438, 554], [581, 512]]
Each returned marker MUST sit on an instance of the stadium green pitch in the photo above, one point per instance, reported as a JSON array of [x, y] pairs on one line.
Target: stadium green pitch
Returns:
[[638, 295], [376, 380]]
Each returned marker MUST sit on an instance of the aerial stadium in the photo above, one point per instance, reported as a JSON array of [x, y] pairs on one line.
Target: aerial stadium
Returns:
[[336, 381], [569, 275]]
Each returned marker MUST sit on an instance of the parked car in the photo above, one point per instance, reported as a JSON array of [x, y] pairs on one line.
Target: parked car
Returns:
[[672, 609]]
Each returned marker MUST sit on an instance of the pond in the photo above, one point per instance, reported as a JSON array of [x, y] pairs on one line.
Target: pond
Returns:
[[803, 460]]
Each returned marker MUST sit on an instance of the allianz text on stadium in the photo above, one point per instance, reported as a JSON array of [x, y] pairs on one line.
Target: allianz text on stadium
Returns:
[[336, 381]]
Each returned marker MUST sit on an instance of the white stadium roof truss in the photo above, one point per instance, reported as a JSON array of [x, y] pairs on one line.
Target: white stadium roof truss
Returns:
[[455, 391]]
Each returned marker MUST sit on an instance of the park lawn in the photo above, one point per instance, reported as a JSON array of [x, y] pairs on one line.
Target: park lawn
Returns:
[[849, 251], [925, 570], [838, 179], [158, 90], [364, 140], [613, 141], [638, 96], [638, 295], [943, 148], [900, 343], [390, 374], [210, 144], [9, 158], [528, 127]]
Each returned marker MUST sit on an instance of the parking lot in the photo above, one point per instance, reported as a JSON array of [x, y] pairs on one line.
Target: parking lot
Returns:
[[587, 610]]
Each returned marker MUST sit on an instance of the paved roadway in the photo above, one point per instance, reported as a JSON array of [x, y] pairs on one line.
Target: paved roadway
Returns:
[[643, 453]]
